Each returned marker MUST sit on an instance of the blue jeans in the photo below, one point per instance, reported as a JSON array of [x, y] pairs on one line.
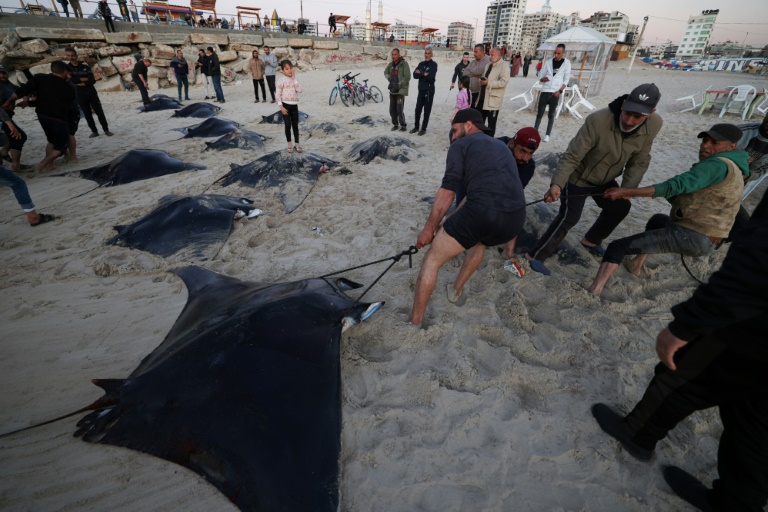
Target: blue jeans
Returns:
[[19, 188], [216, 80], [661, 236], [182, 80]]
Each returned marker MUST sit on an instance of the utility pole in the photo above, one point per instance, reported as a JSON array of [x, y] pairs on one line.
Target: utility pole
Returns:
[[368, 22], [301, 5], [639, 40]]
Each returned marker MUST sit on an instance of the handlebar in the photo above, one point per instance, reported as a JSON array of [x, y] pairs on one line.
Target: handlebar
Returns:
[[350, 77]]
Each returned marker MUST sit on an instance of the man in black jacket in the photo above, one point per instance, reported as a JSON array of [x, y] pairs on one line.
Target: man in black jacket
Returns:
[[713, 353], [139, 75], [106, 13], [56, 102], [202, 63], [458, 71], [214, 71], [87, 97], [425, 73]]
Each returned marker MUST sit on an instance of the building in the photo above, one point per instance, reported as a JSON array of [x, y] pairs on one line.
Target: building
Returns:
[[504, 23], [696, 35], [615, 25], [539, 25], [461, 34], [404, 33]]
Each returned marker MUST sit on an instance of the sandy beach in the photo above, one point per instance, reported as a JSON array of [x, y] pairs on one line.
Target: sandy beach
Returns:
[[485, 409]]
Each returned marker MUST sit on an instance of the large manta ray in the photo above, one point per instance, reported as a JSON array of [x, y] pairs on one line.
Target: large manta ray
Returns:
[[185, 227], [277, 118], [161, 103], [134, 165], [202, 109], [237, 139], [213, 127], [244, 390], [389, 147], [294, 175]]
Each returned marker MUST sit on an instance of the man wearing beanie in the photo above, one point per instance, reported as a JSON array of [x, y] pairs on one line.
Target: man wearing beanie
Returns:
[[614, 141], [705, 201]]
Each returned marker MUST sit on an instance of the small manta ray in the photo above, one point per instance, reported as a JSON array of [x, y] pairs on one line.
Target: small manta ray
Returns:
[[245, 390], [134, 165], [185, 228], [389, 147], [369, 121], [294, 175], [201, 109], [165, 103], [238, 139], [320, 130], [213, 127], [547, 163], [277, 118]]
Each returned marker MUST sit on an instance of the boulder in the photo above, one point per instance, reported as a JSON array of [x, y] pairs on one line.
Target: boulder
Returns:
[[41, 68], [107, 67], [245, 38], [111, 84], [124, 64], [153, 83], [176, 39], [380, 52], [60, 34], [274, 42], [239, 66], [161, 63], [163, 83], [21, 78], [227, 56], [300, 43], [11, 40], [283, 53], [98, 73], [82, 53], [157, 71], [325, 45], [128, 37], [162, 51], [208, 39], [304, 66], [112, 50], [34, 46], [244, 55], [245, 48], [308, 55]]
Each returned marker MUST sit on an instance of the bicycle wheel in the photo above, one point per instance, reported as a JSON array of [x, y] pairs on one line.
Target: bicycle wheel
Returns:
[[360, 96], [334, 94], [344, 94], [376, 95]]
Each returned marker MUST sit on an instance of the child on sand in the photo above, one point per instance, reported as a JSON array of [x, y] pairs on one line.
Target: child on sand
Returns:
[[288, 89]]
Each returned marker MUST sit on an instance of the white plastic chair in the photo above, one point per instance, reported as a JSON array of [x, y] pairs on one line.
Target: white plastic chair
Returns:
[[576, 100], [696, 99], [527, 96], [742, 97], [763, 106]]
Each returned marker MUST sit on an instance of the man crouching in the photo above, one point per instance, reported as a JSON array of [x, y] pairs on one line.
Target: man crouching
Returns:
[[481, 174]]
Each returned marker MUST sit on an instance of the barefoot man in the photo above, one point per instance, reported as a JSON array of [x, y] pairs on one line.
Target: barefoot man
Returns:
[[491, 213]]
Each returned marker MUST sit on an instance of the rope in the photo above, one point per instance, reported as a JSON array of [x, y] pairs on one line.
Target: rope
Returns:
[[689, 270]]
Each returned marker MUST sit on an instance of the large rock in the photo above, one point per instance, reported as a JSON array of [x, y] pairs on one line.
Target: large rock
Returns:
[[308, 55], [11, 39], [60, 34], [153, 83], [283, 53], [239, 67], [245, 38], [350, 47], [112, 50], [274, 42], [124, 64], [208, 39], [161, 63], [128, 37], [41, 68], [98, 73], [300, 43], [34, 46], [176, 39], [227, 56], [162, 51], [381, 52], [325, 45], [111, 84], [243, 47], [107, 67]]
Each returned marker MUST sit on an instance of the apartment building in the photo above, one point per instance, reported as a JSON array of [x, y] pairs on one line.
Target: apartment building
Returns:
[[504, 23], [461, 34], [538, 25], [615, 25], [696, 34]]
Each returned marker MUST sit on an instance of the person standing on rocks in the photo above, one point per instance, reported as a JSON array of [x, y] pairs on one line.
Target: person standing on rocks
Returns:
[[139, 76], [181, 70], [87, 97], [214, 71], [134, 11], [106, 13], [123, 6], [76, 10], [270, 68]]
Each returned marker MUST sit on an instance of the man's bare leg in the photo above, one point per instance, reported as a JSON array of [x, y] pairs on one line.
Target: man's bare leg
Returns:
[[47, 162], [443, 248], [15, 159], [509, 249], [635, 265], [72, 149], [605, 271], [471, 261]]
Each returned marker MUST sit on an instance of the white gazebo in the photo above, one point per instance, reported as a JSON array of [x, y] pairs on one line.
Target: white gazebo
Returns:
[[589, 52]]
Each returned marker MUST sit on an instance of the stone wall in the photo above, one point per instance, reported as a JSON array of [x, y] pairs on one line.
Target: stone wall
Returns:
[[113, 55]]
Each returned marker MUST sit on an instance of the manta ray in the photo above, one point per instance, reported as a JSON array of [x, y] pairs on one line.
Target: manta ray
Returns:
[[134, 165], [161, 103], [388, 147], [213, 127], [245, 390], [201, 109], [237, 139]]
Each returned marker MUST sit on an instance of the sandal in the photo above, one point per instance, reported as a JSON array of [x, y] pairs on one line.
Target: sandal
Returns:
[[298, 149], [43, 219], [597, 250], [538, 266]]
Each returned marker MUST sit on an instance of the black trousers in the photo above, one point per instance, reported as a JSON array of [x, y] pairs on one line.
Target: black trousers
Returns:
[[142, 90], [396, 104], [490, 117], [90, 103], [547, 98], [14, 143], [710, 374], [256, 84], [108, 22], [613, 212], [271, 85], [291, 121], [424, 101]]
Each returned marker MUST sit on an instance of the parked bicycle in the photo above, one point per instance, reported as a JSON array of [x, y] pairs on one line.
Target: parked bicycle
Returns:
[[343, 89], [372, 92]]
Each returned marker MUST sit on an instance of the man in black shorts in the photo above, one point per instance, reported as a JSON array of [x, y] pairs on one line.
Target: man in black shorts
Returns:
[[56, 100], [491, 213]]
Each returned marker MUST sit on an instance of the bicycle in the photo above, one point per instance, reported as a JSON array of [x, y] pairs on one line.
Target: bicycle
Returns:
[[344, 91], [358, 90], [372, 92]]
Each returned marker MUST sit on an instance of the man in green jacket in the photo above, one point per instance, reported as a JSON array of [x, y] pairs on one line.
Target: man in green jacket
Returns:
[[398, 74], [614, 141], [705, 201]]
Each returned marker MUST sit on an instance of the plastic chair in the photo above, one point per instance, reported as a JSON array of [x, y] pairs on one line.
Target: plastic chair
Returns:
[[743, 95], [696, 99], [573, 106], [527, 96], [763, 106]]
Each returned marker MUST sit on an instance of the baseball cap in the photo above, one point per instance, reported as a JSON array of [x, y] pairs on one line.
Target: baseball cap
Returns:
[[723, 131], [642, 99], [470, 114], [528, 137]]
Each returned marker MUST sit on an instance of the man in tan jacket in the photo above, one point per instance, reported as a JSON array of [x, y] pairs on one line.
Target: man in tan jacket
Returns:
[[256, 68], [492, 87]]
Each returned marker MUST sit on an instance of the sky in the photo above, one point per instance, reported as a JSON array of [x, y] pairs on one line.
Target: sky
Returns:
[[667, 18]]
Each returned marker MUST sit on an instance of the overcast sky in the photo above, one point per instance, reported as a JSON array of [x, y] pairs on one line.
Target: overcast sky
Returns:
[[667, 18]]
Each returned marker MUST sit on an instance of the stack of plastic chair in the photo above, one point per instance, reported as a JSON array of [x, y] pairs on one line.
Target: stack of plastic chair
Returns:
[[739, 100], [696, 99], [577, 100]]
